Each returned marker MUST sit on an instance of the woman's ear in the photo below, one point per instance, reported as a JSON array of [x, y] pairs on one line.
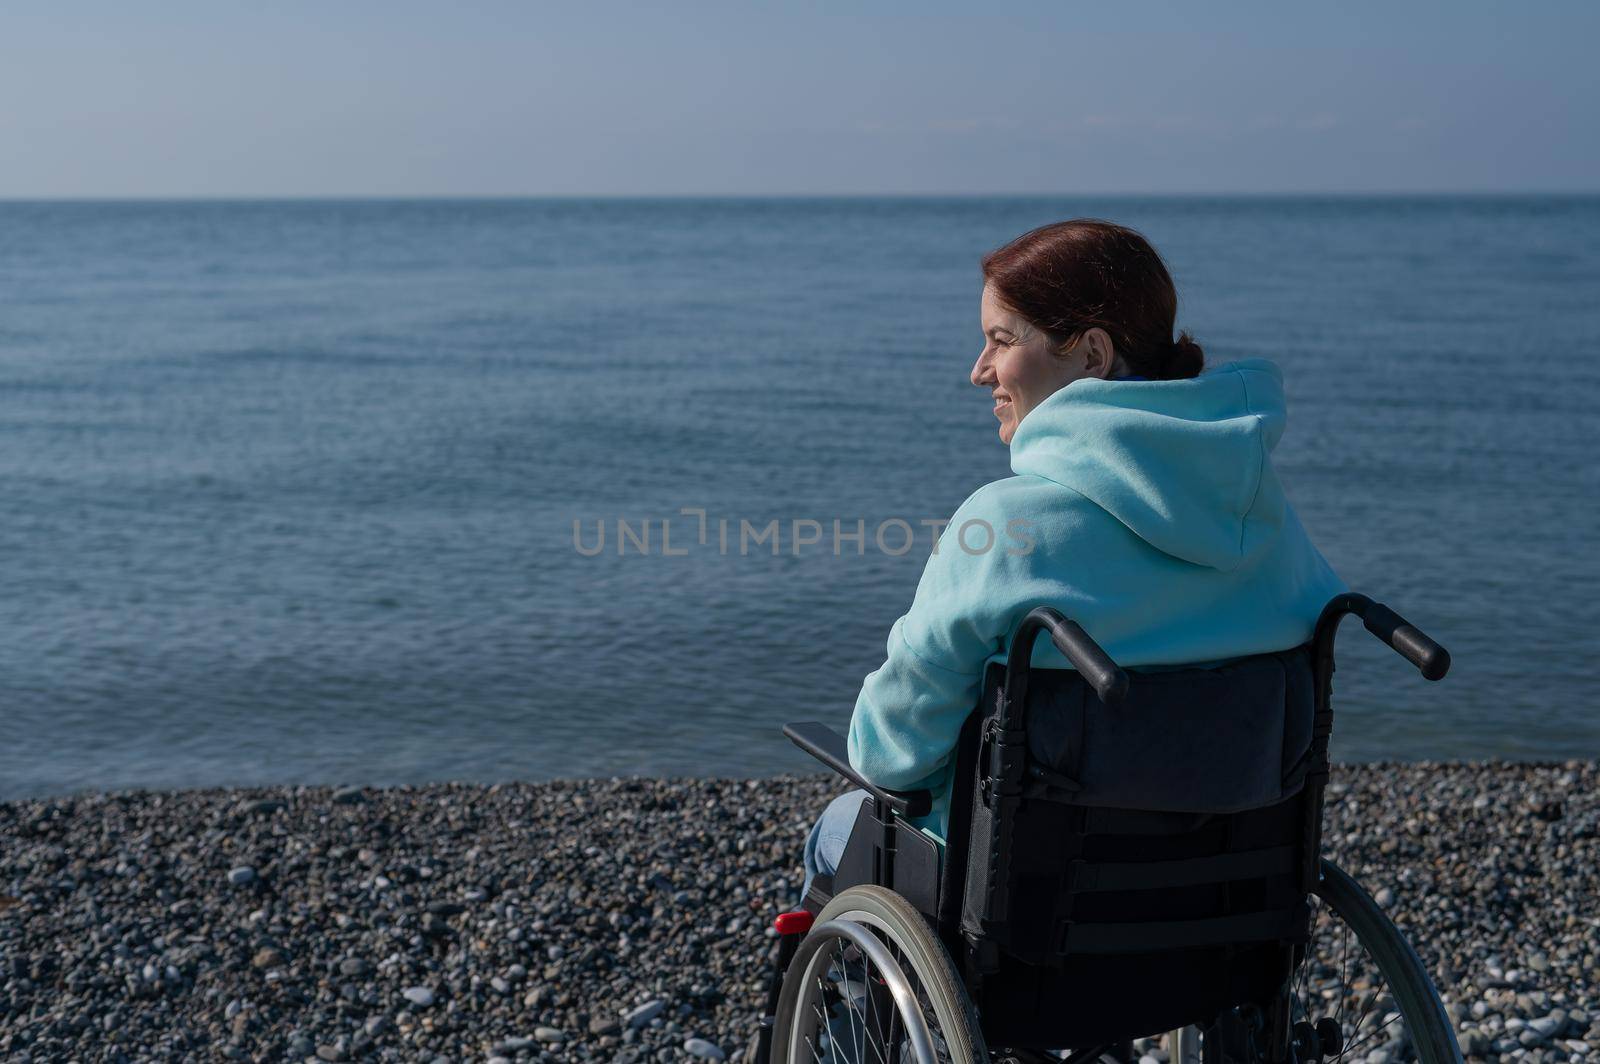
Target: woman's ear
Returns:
[[1100, 355]]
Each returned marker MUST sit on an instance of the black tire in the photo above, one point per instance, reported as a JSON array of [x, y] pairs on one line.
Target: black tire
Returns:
[[919, 956]]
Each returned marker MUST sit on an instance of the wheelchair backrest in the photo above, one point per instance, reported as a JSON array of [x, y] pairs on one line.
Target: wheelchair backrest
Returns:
[[1163, 844], [1192, 740]]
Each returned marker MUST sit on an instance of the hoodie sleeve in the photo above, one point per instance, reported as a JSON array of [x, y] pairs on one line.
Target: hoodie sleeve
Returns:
[[909, 713]]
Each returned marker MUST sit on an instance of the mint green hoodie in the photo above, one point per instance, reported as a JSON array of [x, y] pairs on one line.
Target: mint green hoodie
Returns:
[[1156, 522]]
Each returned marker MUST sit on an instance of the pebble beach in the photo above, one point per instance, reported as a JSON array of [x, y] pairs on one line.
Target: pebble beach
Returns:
[[627, 919]]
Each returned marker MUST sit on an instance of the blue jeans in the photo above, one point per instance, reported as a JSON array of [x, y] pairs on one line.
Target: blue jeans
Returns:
[[825, 844]]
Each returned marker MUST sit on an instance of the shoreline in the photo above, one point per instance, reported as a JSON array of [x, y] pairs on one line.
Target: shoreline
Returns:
[[9, 803], [625, 918]]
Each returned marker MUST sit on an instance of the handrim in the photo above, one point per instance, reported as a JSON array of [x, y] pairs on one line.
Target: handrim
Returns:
[[812, 960], [941, 991]]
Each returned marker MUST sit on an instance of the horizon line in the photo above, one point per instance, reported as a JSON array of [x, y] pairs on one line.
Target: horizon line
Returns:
[[812, 196]]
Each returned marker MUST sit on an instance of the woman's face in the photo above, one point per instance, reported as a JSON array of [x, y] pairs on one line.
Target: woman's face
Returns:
[[1019, 368]]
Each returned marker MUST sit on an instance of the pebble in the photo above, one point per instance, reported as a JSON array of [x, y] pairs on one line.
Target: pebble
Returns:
[[1546, 1026], [639, 1017], [631, 916], [548, 1034], [242, 876], [699, 1047]]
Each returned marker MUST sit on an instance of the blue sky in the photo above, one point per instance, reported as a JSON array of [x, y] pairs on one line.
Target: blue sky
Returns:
[[355, 98]]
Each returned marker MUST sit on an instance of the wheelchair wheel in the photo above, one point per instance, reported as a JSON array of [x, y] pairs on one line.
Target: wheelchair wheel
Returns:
[[871, 982], [1360, 988]]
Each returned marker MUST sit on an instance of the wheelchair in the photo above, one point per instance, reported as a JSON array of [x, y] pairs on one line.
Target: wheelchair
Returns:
[[1128, 856]]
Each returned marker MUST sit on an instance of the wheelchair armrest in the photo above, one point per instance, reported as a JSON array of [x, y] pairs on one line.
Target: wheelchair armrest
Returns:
[[829, 747]]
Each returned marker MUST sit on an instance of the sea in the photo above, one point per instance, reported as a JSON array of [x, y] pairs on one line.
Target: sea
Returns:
[[378, 492]]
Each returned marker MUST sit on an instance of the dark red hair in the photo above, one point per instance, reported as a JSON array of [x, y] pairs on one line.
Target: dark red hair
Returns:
[[1068, 277]]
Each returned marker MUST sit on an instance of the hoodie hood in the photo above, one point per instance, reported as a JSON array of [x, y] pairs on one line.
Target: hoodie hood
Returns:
[[1183, 464]]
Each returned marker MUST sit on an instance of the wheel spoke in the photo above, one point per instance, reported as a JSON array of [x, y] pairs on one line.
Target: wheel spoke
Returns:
[[1369, 1036], [822, 1015], [1383, 984], [876, 1038], [1302, 980], [822, 1025], [1343, 970], [850, 1000]]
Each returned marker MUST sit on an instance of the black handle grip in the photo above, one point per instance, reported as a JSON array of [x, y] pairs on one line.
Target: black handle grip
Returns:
[[1431, 659], [1103, 674], [829, 747], [1092, 663]]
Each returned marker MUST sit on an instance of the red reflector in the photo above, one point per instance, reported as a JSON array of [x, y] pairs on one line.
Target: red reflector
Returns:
[[795, 923]]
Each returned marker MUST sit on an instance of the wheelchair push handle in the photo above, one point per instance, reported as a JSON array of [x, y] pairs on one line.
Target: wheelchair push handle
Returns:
[[1431, 659], [1103, 674], [1095, 665], [1409, 641]]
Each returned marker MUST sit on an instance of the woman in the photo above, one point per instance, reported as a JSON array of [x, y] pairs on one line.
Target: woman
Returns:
[[1144, 507]]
